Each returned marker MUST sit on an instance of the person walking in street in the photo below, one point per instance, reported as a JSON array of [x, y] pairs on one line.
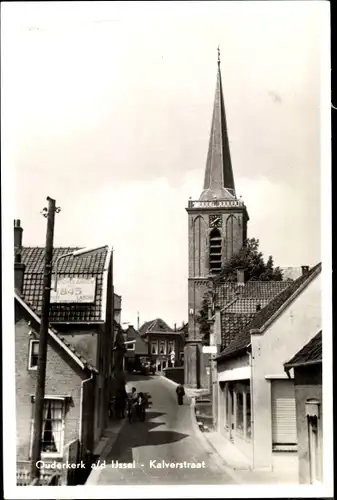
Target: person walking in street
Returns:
[[180, 394]]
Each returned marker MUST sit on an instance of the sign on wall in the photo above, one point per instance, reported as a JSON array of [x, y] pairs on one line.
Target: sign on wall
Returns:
[[74, 290], [209, 349]]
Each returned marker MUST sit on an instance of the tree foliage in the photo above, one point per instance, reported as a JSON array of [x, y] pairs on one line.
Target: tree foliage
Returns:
[[251, 260]]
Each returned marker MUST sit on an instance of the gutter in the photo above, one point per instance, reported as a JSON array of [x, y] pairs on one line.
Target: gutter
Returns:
[[105, 283], [304, 363], [234, 354]]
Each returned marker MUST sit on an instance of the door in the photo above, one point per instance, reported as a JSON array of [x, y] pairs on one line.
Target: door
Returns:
[[283, 413]]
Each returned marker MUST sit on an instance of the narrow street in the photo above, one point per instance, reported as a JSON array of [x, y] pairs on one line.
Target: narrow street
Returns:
[[168, 435]]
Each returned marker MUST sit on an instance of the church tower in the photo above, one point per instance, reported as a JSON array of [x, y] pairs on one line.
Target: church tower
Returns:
[[217, 228]]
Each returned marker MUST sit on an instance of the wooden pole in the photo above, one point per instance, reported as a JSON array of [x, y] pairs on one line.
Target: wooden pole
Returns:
[[43, 337]]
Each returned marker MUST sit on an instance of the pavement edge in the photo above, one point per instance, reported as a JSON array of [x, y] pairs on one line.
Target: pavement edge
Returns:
[[95, 473], [208, 445]]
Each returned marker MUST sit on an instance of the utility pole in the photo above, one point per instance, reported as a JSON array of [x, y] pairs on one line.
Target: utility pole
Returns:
[[49, 213]]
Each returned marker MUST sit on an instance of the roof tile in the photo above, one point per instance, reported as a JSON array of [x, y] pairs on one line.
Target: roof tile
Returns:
[[82, 266], [242, 341], [310, 353]]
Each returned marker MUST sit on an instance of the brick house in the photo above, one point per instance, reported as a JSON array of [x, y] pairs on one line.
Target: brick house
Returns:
[[136, 350], [307, 374], [85, 327], [69, 393], [162, 341], [253, 399]]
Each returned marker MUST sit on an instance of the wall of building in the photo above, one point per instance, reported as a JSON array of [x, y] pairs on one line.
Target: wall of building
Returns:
[[83, 338], [296, 325], [117, 302], [88, 412], [141, 347], [308, 385], [169, 337], [61, 379], [87, 340], [175, 374]]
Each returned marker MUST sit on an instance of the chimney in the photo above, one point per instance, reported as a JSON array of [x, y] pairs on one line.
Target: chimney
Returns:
[[19, 267], [17, 233], [138, 321], [240, 276], [305, 270], [175, 327]]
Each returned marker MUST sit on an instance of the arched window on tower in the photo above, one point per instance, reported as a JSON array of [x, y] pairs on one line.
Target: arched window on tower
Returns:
[[215, 251]]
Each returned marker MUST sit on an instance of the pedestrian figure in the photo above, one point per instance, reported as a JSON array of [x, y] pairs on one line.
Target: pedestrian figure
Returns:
[[140, 406], [132, 400], [180, 393]]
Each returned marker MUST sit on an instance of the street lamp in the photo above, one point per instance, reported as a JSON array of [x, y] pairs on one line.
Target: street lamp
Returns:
[[75, 253]]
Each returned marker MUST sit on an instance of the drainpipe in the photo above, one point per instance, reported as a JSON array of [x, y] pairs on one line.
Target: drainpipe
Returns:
[[81, 411], [252, 416]]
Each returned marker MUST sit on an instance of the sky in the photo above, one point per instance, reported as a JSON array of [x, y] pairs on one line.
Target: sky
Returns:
[[109, 109]]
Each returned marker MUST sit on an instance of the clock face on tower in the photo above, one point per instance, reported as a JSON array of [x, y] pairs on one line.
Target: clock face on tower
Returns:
[[215, 221]]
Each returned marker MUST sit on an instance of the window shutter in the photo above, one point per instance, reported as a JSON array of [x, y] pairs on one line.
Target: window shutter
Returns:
[[283, 412]]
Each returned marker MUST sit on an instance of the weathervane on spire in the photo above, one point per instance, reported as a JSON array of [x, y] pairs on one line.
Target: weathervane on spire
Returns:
[[218, 49]]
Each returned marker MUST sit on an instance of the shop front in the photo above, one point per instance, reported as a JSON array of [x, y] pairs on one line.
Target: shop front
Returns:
[[234, 405]]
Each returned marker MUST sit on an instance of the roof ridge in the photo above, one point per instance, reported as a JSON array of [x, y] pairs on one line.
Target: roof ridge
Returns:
[[270, 311]]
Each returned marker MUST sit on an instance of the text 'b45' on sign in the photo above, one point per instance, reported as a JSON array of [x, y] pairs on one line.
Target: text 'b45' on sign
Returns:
[[74, 290]]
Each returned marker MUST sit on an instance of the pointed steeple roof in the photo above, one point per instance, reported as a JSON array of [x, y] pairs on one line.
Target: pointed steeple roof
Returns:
[[219, 179]]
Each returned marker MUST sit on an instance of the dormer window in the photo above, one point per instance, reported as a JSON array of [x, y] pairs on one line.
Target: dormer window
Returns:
[[215, 251], [33, 355]]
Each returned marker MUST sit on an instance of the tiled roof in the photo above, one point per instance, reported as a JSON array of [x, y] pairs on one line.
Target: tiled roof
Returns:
[[239, 304], [144, 328], [231, 326], [249, 294], [276, 303], [243, 339], [67, 345], [155, 326], [309, 354], [85, 266]]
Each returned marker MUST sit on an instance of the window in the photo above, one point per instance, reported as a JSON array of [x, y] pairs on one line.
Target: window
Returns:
[[33, 356], [154, 347], [215, 251], [162, 347], [52, 427], [130, 347], [170, 346]]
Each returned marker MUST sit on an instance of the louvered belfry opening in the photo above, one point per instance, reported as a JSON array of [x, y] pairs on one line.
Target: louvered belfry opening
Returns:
[[215, 251]]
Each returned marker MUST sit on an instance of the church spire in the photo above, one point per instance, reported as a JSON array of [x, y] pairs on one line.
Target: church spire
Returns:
[[219, 180]]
